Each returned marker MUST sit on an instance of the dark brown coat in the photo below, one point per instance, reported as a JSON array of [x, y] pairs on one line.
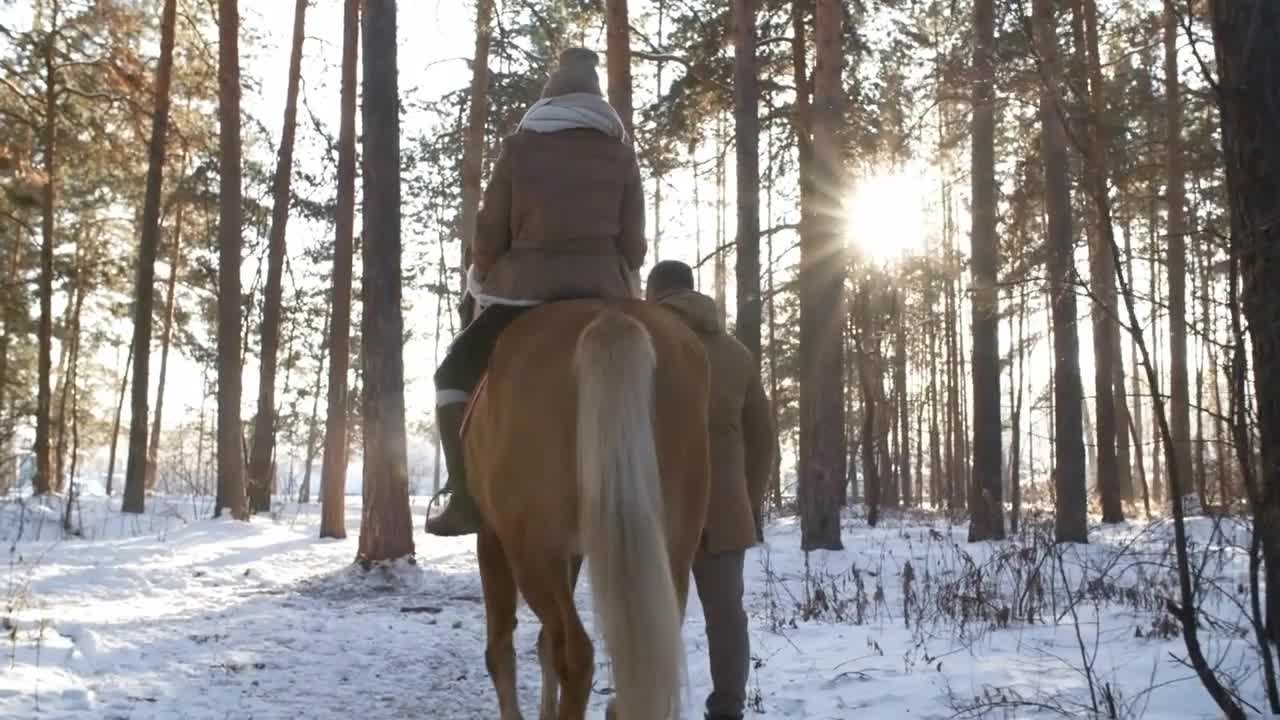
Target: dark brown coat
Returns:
[[563, 215], [743, 439]]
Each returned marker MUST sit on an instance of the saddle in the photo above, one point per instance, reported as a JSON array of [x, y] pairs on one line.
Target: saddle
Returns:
[[467, 310]]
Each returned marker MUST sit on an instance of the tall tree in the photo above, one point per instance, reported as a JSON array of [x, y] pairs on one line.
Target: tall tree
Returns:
[[618, 52], [230, 444], [1106, 333], [1175, 195], [988, 503], [166, 342], [746, 122], [333, 470], [477, 118], [1072, 493], [43, 481], [260, 465], [906, 491], [822, 302], [386, 528], [1247, 46], [136, 465]]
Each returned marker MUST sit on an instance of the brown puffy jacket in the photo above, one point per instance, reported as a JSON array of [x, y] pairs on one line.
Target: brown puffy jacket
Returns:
[[743, 440], [563, 215]]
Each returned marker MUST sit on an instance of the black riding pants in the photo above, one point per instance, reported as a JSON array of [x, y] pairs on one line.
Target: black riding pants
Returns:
[[467, 358]]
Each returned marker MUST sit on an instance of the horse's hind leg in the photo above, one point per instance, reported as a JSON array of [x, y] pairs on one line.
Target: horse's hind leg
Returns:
[[577, 663], [550, 706], [500, 616], [547, 655], [545, 579]]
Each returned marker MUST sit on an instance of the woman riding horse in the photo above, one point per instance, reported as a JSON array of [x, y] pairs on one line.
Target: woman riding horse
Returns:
[[562, 217]]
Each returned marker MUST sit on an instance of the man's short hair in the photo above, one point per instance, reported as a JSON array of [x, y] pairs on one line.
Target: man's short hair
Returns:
[[667, 277]]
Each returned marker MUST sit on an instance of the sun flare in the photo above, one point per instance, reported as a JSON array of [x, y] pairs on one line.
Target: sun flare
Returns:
[[885, 215]]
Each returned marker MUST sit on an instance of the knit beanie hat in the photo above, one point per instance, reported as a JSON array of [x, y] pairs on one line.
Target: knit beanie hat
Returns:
[[576, 74]]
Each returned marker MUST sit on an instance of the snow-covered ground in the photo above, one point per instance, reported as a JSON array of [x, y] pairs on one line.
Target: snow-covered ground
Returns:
[[170, 616]]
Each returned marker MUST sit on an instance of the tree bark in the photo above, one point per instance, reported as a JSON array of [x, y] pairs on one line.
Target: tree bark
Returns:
[[333, 469], [313, 425], [872, 479], [1175, 195], [68, 382], [175, 262], [822, 302], [42, 481], [14, 307], [115, 425], [230, 443], [987, 512], [618, 52], [1072, 493], [136, 465], [477, 118], [906, 491], [958, 495], [746, 121], [1015, 441], [264, 430], [386, 528], [1247, 46], [1101, 268], [720, 279]]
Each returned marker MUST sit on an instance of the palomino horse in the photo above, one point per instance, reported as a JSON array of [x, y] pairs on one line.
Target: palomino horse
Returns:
[[589, 439]]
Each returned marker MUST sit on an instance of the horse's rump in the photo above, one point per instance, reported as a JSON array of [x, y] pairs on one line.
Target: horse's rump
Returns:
[[524, 423], [630, 380]]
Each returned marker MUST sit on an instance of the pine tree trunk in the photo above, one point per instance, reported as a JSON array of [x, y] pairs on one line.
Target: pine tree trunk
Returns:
[[936, 494], [988, 508], [175, 263], [906, 489], [884, 415], [65, 417], [42, 481], [477, 119], [1015, 441], [333, 469], [720, 278], [1072, 494], [313, 425], [659, 178], [115, 424], [774, 403], [958, 496], [1206, 287], [1135, 420], [746, 123], [618, 52], [1101, 264], [1175, 196], [230, 443], [136, 465], [13, 306], [264, 430], [1247, 42], [386, 527], [821, 284], [1157, 442], [872, 478]]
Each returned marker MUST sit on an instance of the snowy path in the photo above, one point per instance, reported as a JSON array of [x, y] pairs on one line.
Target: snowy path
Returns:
[[216, 619]]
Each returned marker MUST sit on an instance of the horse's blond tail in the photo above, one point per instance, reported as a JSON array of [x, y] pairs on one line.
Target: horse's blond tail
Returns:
[[621, 518]]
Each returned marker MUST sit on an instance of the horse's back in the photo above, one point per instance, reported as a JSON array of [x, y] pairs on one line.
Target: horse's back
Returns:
[[521, 441]]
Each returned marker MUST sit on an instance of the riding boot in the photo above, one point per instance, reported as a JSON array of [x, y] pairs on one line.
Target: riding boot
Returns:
[[460, 515]]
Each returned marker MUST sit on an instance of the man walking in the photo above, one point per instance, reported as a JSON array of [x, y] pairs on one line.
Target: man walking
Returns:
[[743, 442]]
